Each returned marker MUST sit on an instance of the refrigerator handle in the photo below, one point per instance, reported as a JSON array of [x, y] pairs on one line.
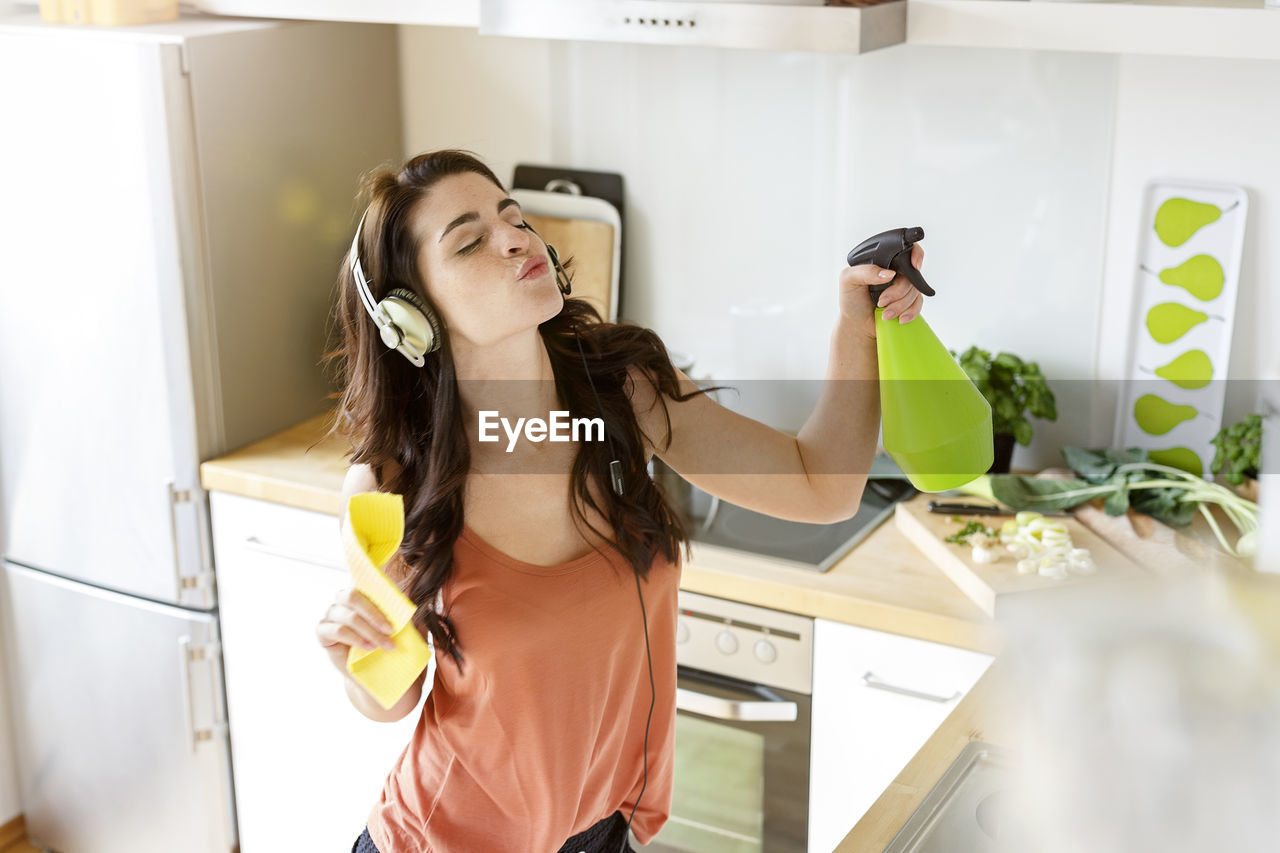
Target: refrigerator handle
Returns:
[[184, 667], [186, 654], [202, 579]]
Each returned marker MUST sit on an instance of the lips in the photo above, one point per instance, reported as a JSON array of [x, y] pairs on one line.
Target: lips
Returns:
[[532, 268]]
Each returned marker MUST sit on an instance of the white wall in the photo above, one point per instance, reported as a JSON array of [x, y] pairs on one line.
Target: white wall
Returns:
[[750, 174], [488, 95], [753, 174], [1214, 120]]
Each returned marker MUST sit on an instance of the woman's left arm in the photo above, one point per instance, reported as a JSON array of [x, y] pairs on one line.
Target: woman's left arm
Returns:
[[818, 474]]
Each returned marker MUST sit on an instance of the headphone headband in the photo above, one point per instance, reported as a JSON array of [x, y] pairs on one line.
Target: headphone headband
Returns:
[[362, 285]]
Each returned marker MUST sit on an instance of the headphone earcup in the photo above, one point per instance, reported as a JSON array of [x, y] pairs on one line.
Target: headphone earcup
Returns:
[[417, 326]]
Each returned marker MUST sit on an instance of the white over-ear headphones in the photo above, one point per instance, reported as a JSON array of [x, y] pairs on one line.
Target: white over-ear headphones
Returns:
[[404, 322]]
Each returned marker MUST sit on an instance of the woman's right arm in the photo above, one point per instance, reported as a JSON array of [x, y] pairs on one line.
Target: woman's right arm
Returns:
[[353, 619]]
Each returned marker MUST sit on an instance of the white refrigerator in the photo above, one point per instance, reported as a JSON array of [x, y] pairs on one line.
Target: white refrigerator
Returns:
[[175, 201]]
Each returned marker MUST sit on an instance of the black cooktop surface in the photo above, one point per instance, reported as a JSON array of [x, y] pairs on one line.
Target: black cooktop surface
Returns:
[[812, 546]]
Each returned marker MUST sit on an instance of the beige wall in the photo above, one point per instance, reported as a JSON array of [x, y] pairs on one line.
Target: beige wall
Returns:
[[487, 94]]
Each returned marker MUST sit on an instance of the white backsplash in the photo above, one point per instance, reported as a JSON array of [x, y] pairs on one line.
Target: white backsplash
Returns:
[[750, 174]]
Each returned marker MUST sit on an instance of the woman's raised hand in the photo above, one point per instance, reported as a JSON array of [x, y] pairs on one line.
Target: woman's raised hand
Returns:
[[352, 620], [900, 299]]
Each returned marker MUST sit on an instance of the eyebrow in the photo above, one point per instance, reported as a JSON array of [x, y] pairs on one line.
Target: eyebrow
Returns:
[[473, 216]]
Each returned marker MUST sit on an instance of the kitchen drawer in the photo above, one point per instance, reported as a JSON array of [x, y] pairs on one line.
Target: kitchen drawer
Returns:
[[877, 698], [298, 746], [246, 524]]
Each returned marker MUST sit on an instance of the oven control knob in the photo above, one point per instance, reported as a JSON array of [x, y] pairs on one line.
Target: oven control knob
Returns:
[[726, 642], [682, 632], [765, 651]]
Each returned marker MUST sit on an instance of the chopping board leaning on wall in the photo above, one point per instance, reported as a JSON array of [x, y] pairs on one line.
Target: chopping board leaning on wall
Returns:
[[590, 244]]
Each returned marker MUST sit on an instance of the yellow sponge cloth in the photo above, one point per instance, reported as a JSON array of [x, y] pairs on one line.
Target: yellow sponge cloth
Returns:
[[372, 534]]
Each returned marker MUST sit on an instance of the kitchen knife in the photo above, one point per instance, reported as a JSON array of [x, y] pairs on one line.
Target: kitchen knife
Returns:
[[981, 509]]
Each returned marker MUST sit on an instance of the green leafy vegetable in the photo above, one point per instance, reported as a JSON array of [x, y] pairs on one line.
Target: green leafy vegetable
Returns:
[[1239, 450], [1127, 479], [1013, 387]]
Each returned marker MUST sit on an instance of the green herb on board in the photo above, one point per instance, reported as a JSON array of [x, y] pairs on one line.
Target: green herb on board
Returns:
[[961, 537]]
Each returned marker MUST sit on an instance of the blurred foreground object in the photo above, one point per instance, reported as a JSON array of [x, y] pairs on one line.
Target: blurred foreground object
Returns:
[[1269, 495], [1150, 719]]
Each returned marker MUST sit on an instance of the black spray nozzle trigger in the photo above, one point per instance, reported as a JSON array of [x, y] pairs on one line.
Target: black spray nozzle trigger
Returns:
[[891, 250]]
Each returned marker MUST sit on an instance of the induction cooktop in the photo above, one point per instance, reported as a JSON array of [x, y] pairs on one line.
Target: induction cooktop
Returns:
[[810, 546]]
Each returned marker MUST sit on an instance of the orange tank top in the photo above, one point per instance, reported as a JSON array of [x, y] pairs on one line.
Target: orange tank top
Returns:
[[541, 734]]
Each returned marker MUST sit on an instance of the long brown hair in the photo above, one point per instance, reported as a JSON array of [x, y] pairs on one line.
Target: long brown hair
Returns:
[[390, 410]]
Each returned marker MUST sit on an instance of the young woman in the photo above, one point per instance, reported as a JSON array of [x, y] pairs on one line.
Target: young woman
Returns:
[[545, 573]]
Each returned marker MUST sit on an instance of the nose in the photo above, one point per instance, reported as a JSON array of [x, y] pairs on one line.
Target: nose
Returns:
[[517, 239]]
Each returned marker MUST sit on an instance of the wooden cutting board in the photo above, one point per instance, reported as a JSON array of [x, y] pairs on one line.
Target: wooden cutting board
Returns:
[[590, 244], [990, 585]]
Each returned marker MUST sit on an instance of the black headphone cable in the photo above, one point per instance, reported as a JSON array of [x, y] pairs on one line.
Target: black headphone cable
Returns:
[[615, 476]]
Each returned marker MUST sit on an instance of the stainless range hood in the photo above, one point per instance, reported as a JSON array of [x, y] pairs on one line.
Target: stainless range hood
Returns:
[[804, 25]]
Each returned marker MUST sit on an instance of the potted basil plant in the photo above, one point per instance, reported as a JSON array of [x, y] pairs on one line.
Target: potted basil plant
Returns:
[[1015, 389], [1238, 457]]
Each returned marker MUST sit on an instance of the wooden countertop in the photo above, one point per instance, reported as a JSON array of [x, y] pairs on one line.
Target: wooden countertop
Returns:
[[884, 583]]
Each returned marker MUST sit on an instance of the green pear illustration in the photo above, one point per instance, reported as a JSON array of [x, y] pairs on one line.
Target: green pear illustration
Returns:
[[1156, 416], [1178, 218], [1190, 370], [1169, 321], [1200, 275], [1179, 457]]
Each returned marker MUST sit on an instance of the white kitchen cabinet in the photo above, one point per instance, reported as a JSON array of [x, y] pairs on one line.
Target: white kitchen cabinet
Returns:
[[307, 765], [877, 698], [454, 13], [1238, 29]]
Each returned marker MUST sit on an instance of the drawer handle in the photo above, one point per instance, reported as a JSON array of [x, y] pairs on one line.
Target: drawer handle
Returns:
[[871, 681], [254, 544], [731, 709]]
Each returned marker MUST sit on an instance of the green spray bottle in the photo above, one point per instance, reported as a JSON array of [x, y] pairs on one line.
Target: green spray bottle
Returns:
[[936, 423]]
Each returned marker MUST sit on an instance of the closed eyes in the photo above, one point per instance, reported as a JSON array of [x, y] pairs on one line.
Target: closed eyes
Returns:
[[471, 247]]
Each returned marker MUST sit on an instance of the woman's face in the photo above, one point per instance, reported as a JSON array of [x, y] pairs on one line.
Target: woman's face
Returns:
[[473, 253]]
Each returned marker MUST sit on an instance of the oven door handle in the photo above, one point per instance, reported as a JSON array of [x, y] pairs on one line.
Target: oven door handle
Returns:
[[779, 710]]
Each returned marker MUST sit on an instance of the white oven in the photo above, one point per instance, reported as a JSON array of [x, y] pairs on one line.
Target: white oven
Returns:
[[742, 730]]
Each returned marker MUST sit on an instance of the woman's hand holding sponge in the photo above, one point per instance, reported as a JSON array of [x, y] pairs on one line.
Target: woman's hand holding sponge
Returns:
[[369, 632]]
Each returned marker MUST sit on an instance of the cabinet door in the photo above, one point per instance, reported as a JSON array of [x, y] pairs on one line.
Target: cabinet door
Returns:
[[456, 13], [307, 765], [117, 714], [876, 699]]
